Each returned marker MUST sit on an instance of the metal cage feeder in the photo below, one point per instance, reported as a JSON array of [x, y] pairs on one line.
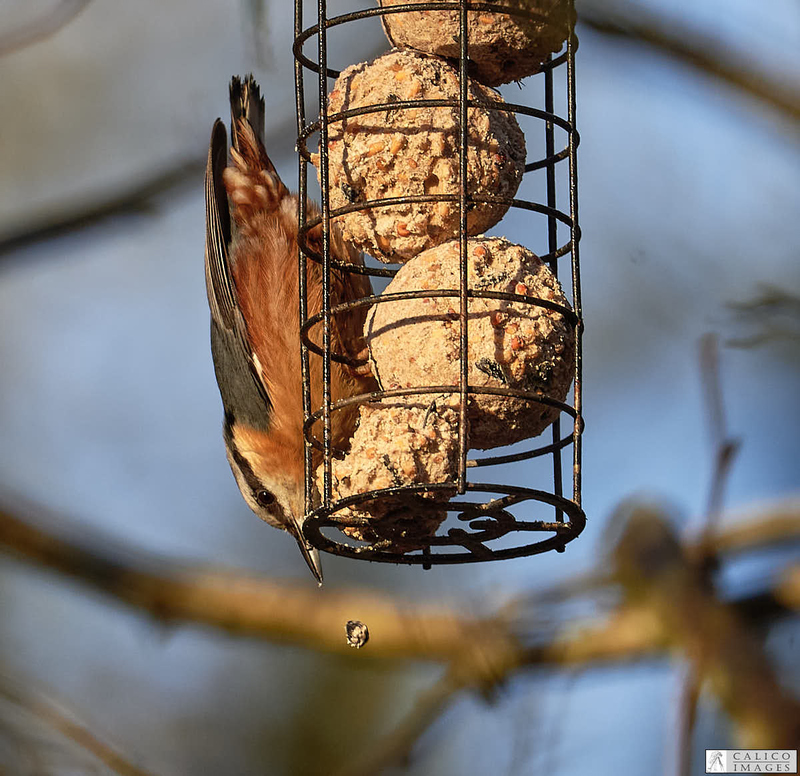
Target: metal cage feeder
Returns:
[[485, 526]]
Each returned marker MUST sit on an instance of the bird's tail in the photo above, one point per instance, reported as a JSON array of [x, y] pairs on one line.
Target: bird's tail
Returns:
[[252, 182], [248, 104]]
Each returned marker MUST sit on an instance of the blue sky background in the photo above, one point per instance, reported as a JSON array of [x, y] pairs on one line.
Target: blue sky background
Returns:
[[109, 411]]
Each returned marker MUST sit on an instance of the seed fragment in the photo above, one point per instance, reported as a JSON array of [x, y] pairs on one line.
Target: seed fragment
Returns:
[[398, 141]]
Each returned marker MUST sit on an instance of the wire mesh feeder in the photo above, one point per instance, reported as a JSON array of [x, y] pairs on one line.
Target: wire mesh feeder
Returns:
[[481, 524]]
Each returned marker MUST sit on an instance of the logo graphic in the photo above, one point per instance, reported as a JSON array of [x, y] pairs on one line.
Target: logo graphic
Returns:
[[751, 761], [714, 762]]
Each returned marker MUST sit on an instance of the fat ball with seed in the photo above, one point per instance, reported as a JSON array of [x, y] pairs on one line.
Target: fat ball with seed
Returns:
[[522, 345], [413, 151]]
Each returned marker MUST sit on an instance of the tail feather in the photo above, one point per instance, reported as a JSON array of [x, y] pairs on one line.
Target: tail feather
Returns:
[[252, 181], [247, 103]]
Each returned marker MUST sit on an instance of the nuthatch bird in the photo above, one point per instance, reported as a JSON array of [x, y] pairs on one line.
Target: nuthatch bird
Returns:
[[252, 279]]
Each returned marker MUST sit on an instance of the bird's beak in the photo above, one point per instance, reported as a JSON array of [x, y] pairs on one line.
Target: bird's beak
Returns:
[[310, 554]]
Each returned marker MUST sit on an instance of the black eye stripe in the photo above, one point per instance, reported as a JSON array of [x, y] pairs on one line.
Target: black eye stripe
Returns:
[[265, 498], [244, 467], [262, 496]]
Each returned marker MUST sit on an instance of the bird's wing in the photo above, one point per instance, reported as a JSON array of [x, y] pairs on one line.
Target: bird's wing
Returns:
[[244, 395]]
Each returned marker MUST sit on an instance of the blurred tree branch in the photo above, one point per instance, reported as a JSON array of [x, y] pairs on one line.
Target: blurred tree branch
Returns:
[[701, 51], [655, 572], [48, 24], [137, 199], [667, 606], [285, 612], [771, 315], [54, 715]]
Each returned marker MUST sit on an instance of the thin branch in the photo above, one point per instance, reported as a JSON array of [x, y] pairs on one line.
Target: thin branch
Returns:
[[396, 747], [295, 613], [775, 523], [146, 197], [656, 574], [788, 592], [138, 198], [724, 447], [702, 52], [53, 714], [48, 25], [685, 718], [704, 558], [247, 605]]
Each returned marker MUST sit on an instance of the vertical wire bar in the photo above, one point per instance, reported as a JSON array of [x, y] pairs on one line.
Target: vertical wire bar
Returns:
[[302, 261], [552, 245], [322, 21], [572, 45], [463, 270]]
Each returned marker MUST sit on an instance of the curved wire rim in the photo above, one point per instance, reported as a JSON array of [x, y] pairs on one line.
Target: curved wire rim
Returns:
[[433, 293], [550, 160], [493, 460], [565, 531], [357, 269], [486, 390], [452, 102], [301, 145], [335, 21], [364, 301]]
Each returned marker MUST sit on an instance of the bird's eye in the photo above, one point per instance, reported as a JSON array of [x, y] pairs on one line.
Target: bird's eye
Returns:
[[265, 498]]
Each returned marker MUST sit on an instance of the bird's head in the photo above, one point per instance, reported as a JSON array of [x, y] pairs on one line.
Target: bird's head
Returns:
[[272, 483]]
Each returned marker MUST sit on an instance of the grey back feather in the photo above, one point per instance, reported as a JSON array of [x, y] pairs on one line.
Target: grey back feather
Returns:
[[244, 395]]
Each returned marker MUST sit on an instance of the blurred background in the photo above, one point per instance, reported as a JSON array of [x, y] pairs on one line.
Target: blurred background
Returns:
[[689, 172]]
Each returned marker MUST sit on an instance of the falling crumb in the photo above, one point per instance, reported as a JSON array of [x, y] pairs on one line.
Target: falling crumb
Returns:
[[357, 633]]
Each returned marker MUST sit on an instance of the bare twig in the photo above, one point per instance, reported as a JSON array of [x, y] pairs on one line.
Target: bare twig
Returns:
[[788, 591], [295, 613], [247, 605], [397, 745], [770, 316], [41, 29], [723, 446], [685, 717], [138, 198], [773, 523], [53, 714], [131, 199], [692, 48], [656, 574], [724, 452]]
